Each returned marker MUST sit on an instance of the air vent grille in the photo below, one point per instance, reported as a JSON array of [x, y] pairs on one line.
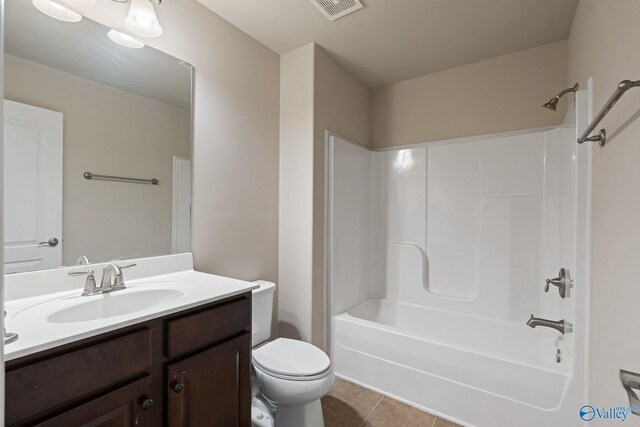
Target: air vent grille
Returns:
[[334, 9]]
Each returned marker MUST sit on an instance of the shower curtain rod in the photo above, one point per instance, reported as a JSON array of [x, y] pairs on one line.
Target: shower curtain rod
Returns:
[[601, 137]]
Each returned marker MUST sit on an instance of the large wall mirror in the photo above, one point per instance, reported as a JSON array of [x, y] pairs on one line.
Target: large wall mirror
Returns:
[[77, 106]]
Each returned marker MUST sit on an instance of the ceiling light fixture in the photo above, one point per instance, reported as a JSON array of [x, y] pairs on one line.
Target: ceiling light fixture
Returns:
[[57, 11], [82, 3], [142, 19], [125, 39]]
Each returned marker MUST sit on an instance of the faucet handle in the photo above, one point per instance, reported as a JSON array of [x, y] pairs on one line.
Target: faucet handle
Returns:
[[117, 269], [8, 337], [118, 280], [90, 287], [81, 273], [563, 282]]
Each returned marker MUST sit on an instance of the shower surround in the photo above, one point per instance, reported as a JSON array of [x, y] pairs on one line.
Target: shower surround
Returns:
[[437, 257]]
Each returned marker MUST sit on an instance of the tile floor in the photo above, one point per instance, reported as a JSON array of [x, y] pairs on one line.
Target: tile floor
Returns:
[[350, 405]]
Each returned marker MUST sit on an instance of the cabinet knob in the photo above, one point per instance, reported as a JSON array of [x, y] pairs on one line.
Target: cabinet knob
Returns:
[[177, 387], [146, 403]]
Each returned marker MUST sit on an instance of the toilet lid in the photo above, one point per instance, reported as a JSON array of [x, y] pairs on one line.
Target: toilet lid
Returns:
[[291, 358]]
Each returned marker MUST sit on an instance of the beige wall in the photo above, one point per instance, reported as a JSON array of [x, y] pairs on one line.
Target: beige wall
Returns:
[[341, 105], [109, 131], [496, 95], [296, 193], [603, 44], [341, 102], [235, 146], [316, 94]]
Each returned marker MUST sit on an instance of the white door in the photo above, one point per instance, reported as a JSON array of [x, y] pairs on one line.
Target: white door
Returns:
[[32, 188], [181, 205]]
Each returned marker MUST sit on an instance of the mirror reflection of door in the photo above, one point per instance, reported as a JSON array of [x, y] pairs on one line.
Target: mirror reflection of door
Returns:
[[32, 188], [127, 113], [181, 236]]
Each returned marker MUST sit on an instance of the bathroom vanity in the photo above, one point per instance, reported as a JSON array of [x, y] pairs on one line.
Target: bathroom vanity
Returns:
[[170, 347], [181, 361]]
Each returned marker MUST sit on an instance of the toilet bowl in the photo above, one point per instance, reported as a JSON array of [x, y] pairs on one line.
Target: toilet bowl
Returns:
[[292, 375]]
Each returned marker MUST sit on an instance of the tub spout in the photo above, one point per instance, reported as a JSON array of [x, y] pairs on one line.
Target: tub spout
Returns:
[[559, 325]]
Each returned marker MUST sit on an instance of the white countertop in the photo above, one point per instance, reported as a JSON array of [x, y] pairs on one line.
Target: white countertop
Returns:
[[28, 316]]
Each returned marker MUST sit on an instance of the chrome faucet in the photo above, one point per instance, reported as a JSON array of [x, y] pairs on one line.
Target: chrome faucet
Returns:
[[112, 280], [559, 325], [83, 260]]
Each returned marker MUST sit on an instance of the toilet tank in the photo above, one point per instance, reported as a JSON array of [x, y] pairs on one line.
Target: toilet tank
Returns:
[[261, 312]]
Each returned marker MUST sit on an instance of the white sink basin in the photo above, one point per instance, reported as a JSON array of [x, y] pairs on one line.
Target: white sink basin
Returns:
[[46, 320], [114, 304]]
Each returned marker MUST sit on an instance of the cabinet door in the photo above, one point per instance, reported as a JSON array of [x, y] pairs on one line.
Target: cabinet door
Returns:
[[212, 388], [125, 407]]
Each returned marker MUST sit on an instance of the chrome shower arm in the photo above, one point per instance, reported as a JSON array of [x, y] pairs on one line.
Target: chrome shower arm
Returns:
[[571, 89], [553, 102]]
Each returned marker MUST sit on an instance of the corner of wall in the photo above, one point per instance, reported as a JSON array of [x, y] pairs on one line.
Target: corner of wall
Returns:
[[316, 94], [341, 105], [296, 194]]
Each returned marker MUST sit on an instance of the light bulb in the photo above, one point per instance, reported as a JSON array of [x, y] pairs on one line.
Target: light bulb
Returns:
[[56, 5], [57, 11], [125, 39], [142, 19], [82, 3]]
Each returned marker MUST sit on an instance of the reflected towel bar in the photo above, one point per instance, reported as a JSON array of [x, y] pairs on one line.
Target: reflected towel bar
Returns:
[[89, 175], [623, 86]]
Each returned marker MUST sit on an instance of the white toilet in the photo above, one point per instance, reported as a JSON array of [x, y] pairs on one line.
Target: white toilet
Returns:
[[291, 374]]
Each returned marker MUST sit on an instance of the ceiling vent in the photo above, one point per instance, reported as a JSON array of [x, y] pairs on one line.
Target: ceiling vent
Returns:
[[335, 9]]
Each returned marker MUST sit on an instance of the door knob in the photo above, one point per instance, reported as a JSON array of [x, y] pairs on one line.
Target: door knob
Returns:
[[52, 242]]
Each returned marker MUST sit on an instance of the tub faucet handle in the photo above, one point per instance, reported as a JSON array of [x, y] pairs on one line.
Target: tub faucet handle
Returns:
[[563, 282]]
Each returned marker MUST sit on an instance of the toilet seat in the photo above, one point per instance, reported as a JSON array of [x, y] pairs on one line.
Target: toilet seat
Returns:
[[291, 360], [291, 377]]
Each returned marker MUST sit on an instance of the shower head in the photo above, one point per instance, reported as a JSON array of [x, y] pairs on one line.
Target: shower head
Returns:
[[552, 104]]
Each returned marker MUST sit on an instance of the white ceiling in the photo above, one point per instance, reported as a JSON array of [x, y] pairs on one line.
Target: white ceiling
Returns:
[[83, 49], [393, 40]]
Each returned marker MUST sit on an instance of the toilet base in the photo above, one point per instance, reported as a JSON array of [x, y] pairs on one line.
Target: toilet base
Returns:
[[261, 412], [307, 415]]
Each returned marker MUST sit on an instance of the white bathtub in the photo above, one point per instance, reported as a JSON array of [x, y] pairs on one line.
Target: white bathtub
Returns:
[[472, 370]]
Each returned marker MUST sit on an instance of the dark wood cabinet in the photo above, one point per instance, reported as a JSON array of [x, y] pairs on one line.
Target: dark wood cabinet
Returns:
[[60, 378], [123, 407], [206, 389], [191, 368]]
